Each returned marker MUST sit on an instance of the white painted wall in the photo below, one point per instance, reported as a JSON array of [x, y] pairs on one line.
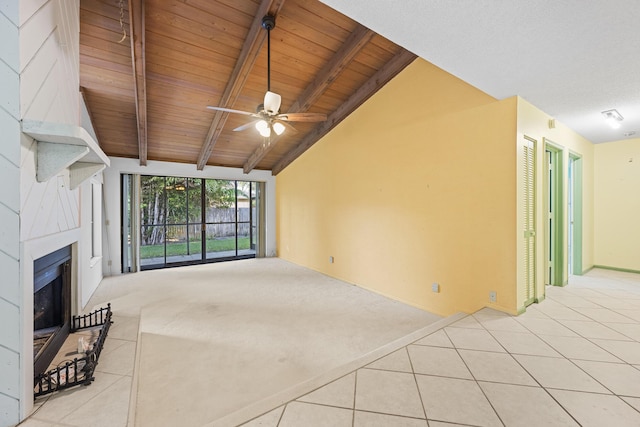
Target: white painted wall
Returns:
[[112, 261], [49, 60], [617, 204], [10, 292], [39, 79]]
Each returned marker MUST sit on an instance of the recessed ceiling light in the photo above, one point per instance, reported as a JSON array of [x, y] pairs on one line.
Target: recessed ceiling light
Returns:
[[613, 118]]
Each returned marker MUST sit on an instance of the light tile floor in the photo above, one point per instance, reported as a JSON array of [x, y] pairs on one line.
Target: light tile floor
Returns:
[[105, 403], [573, 359]]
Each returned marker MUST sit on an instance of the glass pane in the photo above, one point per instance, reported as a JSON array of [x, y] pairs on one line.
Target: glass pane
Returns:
[[221, 240], [47, 305], [176, 243], [220, 194], [176, 200], [195, 240], [244, 193], [194, 194], [244, 242], [152, 207], [244, 200], [152, 245]]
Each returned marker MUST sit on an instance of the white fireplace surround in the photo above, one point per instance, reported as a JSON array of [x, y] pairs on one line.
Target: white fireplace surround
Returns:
[[30, 251]]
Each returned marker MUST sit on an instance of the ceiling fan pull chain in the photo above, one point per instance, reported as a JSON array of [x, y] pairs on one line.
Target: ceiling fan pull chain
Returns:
[[124, 33]]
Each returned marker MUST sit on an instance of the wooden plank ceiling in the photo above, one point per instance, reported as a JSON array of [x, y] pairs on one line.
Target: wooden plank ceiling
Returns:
[[147, 94]]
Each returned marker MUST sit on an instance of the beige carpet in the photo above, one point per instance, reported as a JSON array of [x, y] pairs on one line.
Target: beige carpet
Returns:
[[215, 338]]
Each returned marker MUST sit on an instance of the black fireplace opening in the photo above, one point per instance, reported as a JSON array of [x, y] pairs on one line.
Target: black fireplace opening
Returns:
[[51, 306]]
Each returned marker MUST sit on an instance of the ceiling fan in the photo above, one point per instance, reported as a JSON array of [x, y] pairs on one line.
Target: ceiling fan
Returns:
[[267, 115]]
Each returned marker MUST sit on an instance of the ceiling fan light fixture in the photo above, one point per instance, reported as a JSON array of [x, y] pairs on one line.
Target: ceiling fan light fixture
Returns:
[[272, 102], [613, 118], [263, 127], [278, 128]]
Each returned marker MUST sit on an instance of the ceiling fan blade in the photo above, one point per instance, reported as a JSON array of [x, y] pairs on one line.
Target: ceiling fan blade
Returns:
[[288, 126], [272, 103], [245, 126], [302, 117], [229, 110]]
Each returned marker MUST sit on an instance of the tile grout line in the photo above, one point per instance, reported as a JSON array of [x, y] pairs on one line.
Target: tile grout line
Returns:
[[602, 324], [133, 391], [368, 411], [471, 373], [284, 409], [415, 380], [630, 405], [355, 393]]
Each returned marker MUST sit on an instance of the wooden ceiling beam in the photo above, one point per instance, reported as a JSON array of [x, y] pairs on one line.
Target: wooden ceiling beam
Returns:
[[357, 40], [250, 49], [370, 87], [137, 34]]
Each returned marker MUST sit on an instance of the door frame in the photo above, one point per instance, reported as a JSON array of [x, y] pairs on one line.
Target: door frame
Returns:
[[258, 237], [575, 181], [554, 241]]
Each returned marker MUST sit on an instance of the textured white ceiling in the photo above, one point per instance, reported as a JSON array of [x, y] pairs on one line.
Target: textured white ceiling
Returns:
[[570, 58]]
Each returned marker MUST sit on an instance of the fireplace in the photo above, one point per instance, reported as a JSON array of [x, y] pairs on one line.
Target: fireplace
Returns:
[[51, 306]]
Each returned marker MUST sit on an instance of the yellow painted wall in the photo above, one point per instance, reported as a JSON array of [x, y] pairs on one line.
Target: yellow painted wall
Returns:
[[534, 123], [415, 187], [617, 204]]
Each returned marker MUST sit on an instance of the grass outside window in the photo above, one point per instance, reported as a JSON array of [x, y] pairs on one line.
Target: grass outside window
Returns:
[[195, 247]]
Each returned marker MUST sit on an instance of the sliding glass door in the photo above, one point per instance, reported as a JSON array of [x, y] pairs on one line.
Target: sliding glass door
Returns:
[[189, 220], [228, 217]]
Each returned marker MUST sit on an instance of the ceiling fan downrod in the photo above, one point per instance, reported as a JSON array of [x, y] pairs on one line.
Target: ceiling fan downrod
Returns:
[[269, 23]]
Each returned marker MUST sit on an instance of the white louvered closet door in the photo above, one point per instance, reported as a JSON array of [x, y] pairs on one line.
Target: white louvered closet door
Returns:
[[529, 163]]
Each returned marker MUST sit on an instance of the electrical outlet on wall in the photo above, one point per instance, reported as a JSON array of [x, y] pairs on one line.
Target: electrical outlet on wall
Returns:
[[435, 287], [330, 260], [493, 296]]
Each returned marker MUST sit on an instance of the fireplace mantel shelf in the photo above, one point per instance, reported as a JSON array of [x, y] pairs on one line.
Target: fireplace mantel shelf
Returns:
[[62, 146]]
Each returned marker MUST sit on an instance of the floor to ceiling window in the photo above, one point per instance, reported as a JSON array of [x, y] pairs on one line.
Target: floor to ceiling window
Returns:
[[194, 220]]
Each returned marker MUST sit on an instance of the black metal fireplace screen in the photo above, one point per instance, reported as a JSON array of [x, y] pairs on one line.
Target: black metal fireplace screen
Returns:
[[79, 370]]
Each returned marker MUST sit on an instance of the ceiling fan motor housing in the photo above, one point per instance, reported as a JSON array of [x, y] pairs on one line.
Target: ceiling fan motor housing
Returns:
[[269, 22]]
